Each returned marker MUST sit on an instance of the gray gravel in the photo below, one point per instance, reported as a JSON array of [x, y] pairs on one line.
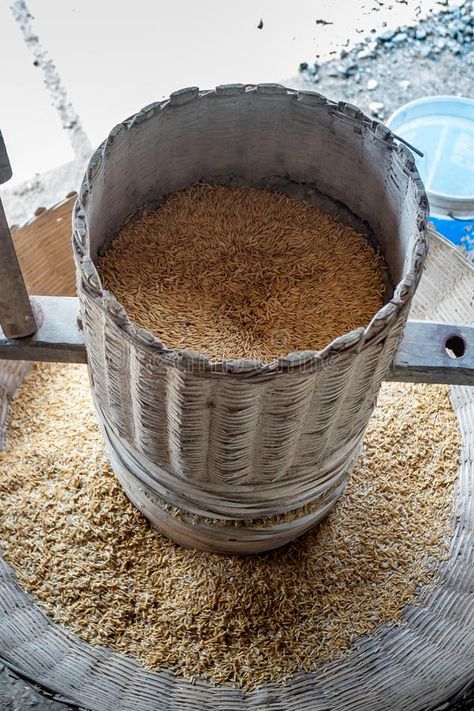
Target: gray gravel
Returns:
[[382, 73]]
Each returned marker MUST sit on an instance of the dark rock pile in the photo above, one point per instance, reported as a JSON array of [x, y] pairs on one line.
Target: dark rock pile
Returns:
[[450, 30]]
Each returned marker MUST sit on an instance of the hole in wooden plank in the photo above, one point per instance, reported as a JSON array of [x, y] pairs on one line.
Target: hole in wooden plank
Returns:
[[455, 346]]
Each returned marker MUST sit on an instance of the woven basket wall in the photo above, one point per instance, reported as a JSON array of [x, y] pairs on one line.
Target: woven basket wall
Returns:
[[240, 439]]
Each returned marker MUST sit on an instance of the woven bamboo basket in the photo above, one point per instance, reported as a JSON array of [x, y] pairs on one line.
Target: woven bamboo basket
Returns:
[[414, 666], [241, 440]]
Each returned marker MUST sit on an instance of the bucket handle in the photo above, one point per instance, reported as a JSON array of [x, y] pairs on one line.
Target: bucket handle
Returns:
[[409, 145], [458, 219]]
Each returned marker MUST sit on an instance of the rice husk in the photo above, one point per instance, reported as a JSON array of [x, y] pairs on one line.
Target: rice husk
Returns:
[[96, 565], [243, 273]]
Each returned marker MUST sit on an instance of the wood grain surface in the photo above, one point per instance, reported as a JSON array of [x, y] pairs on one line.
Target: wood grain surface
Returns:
[[44, 251]]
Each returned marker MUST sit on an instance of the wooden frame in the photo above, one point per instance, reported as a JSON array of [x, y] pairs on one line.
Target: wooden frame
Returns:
[[422, 356]]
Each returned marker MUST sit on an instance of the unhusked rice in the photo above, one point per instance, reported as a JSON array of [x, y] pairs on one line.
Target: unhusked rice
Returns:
[[97, 566], [243, 273]]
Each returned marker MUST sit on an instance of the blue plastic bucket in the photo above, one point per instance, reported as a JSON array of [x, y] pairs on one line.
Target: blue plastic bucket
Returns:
[[442, 127]]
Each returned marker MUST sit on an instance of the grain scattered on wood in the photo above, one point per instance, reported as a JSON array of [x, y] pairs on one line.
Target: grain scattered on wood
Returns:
[[243, 273], [97, 566]]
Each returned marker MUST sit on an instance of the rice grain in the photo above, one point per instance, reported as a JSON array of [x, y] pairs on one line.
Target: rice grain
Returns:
[[243, 273], [97, 566]]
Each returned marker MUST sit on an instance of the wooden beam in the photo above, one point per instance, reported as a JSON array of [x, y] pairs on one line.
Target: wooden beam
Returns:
[[58, 338], [5, 167], [421, 358], [423, 354], [16, 315]]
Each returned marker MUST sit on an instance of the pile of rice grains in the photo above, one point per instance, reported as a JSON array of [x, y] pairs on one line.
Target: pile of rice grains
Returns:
[[96, 565], [231, 273], [243, 273]]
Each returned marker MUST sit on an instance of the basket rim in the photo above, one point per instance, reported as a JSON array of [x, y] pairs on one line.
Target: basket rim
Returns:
[[90, 286]]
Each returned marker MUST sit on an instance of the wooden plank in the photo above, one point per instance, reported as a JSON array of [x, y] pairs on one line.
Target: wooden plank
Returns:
[[16, 314], [5, 167], [58, 338], [423, 357]]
